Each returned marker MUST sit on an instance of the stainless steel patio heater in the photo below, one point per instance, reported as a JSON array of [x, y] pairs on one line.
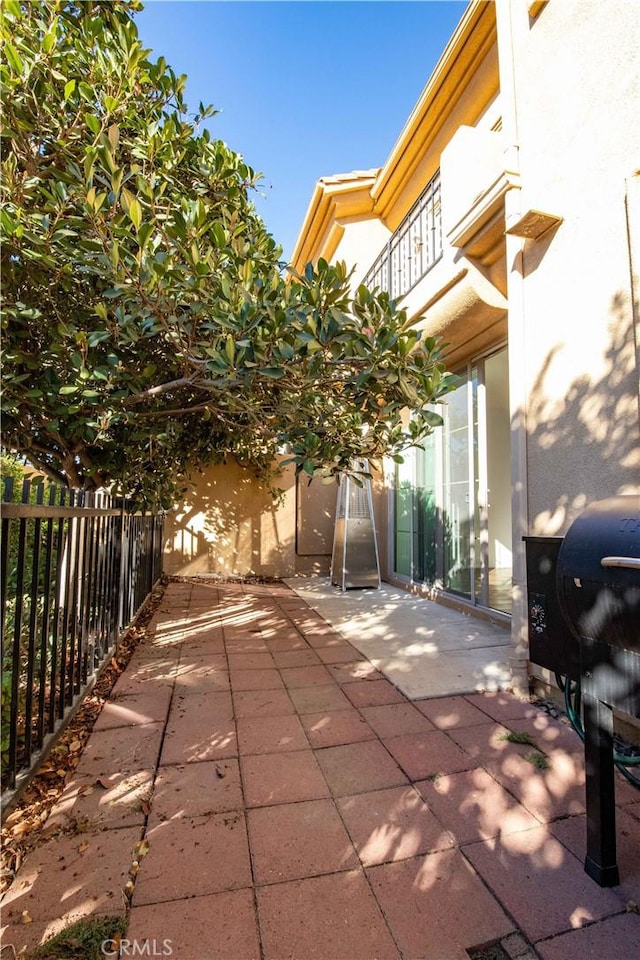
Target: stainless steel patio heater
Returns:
[[354, 562]]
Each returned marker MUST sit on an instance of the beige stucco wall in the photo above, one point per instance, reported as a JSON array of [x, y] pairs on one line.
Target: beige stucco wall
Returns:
[[360, 244], [577, 72], [231, 525]]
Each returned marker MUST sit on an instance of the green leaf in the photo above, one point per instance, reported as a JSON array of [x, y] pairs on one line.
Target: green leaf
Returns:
[[286, 350], [13, 57], [246, 271], [12, 8], [6, 220], [69, 87], [274, 373], [92, 122], [49, 39], [113, 133], [111, 164], [180, 225], [65, 391], [144, 232], [126, 198], [135, 213], [230, 348], [219, 235]]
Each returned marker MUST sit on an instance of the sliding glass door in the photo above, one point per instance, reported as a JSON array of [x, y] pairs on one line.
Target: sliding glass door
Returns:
[[452, 523]]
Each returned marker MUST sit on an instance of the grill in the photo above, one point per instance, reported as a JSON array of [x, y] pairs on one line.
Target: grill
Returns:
[[584, 621], [598, 574]]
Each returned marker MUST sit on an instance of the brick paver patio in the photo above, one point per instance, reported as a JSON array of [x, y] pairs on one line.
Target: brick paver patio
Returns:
[[297, 805]]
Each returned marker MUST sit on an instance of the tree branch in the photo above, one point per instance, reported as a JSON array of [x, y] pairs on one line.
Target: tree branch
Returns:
[[48, 470], [159, 390], [170, 413]]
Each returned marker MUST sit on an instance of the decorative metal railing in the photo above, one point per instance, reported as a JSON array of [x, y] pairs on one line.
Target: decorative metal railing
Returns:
[[413, 249], [75, 569]]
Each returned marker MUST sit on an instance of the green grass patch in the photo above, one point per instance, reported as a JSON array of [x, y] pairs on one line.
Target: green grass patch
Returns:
[[538, 760], [82, 940], [518, 736]]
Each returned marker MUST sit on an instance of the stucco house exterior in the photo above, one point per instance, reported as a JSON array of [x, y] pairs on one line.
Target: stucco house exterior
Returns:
[[507, 219]]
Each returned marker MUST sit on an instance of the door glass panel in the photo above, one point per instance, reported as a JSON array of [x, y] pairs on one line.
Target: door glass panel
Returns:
[[403, 500], [425, 517], [457, 509]]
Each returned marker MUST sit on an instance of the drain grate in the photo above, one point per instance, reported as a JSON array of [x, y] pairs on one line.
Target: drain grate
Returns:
[[512, 947], [489, 951]]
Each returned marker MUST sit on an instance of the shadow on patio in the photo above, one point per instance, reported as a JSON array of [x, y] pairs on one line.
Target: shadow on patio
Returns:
[[255, 788]]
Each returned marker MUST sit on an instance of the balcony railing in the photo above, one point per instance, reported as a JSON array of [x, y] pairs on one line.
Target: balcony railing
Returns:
[[413, 249]]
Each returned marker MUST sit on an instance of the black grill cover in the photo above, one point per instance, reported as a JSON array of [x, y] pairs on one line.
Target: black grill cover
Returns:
[[598, 573]]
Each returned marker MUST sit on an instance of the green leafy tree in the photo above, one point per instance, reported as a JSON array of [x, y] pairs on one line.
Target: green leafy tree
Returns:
[[148, 327]]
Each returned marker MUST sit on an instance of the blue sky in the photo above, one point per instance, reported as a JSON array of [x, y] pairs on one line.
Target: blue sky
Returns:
[[306, 89]]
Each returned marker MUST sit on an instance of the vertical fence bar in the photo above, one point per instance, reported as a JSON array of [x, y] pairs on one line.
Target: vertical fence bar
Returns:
[[85, 573], [110, 580], [67, 593], [113, 595], [34, 589], [94, 623], [46, 622], [95, 566], [74, 646], [4, 565], [55, 619], [59, 581], [102, 588], [16, 662]]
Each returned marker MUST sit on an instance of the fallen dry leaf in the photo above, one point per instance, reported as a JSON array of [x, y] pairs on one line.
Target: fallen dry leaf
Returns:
[[25, 917], [84, 847], [20, 829]]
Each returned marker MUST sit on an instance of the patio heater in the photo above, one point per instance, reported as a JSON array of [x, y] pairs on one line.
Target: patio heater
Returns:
[[354, 561]]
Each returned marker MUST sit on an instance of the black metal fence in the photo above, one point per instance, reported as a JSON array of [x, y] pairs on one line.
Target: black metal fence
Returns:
[[75, 569]]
